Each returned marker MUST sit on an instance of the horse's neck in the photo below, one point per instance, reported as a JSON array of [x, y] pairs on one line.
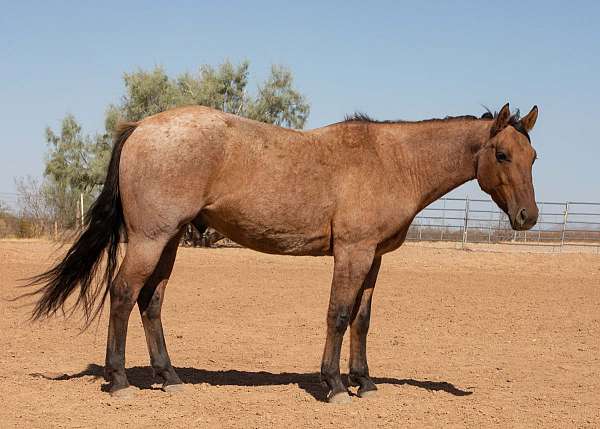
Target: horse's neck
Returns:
[[439, 156]]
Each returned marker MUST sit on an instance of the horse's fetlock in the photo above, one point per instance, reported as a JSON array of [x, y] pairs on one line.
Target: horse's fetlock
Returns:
[[328, 372], [359, 370]]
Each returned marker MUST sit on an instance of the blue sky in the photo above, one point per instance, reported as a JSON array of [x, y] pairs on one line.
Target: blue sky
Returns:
[[408, 60]]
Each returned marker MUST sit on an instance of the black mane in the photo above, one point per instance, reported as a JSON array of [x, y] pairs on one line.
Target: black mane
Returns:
[[514, 120], [363, 117]]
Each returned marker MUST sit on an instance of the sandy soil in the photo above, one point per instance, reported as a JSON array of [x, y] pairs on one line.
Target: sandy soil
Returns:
[[458, 338]]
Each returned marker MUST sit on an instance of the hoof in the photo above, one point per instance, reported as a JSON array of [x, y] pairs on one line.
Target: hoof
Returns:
[[340, 398], [367, 394], [174, 388], [124, 393]]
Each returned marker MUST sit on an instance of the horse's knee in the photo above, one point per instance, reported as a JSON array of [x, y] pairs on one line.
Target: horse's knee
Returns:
[[339, 318]]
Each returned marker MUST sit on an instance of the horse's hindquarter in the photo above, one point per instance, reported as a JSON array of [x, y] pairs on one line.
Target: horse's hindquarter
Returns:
[[259, 185], [165, 167]]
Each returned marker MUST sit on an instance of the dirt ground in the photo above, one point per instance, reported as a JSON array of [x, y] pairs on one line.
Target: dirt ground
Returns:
[[458, 338]]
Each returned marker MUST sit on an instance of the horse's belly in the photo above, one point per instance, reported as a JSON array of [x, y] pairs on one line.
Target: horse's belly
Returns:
[[291, 237], [286, 244]]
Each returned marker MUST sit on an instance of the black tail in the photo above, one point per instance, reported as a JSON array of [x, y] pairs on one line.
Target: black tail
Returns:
[[104, 221]]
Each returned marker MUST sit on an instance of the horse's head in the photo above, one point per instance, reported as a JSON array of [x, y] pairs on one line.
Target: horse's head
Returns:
[[504, 167]]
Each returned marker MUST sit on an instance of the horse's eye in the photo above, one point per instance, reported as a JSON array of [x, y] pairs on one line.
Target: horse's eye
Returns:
[[501, 157]]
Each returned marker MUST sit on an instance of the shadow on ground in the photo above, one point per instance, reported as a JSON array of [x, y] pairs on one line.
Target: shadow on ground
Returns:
[[143, 378]]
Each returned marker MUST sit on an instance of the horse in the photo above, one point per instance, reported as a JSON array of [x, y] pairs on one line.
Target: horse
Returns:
[[348, 190]]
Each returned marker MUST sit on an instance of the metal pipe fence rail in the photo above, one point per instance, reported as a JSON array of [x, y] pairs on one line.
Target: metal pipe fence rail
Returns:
[[561, 226], [568, 226]]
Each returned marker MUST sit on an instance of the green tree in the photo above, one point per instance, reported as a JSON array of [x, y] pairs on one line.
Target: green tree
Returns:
[[224, 88], [148, 93], [278, 102], [67, 160], [72, 168]]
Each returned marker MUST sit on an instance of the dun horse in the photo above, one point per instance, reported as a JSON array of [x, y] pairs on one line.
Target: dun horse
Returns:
[[349, 190]]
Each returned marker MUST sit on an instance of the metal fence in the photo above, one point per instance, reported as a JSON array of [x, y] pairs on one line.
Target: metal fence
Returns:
[[571, 225], [9, 221]]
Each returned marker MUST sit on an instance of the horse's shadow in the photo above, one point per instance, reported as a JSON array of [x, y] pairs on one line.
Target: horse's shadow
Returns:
[[143, 378]]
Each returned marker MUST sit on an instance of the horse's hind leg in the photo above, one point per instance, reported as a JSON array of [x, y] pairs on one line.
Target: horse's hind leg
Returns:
[[359, 327], [150, 302], [141, 258]]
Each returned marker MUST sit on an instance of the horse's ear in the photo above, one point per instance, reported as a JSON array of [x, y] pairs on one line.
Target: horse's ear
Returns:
[[529, 121], [502, 119]]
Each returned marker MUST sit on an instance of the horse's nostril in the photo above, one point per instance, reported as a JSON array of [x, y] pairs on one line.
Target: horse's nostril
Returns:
[[522, 216]]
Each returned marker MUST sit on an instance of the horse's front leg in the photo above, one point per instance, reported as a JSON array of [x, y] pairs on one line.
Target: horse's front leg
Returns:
[[351, 266], [359, 327]]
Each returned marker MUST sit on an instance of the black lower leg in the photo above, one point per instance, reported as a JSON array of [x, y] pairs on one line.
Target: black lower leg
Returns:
[[150, 303], [337, 323], [361, 316], [122, 301], [359, 369]]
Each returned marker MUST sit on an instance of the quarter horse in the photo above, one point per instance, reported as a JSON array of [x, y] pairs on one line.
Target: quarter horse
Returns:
[[349, 190]]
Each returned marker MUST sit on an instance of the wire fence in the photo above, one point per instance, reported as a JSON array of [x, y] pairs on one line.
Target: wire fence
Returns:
[[9, 201], [572, 225], [10, 223], [32, 215]]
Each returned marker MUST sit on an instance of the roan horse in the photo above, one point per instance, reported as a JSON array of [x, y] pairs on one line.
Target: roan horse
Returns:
[[349, 190]]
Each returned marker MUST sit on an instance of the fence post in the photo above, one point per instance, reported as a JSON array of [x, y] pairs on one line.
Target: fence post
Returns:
[[443, 219], [499, 235], [466, 224], [540, 220], [565, 220], [490, 225]]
